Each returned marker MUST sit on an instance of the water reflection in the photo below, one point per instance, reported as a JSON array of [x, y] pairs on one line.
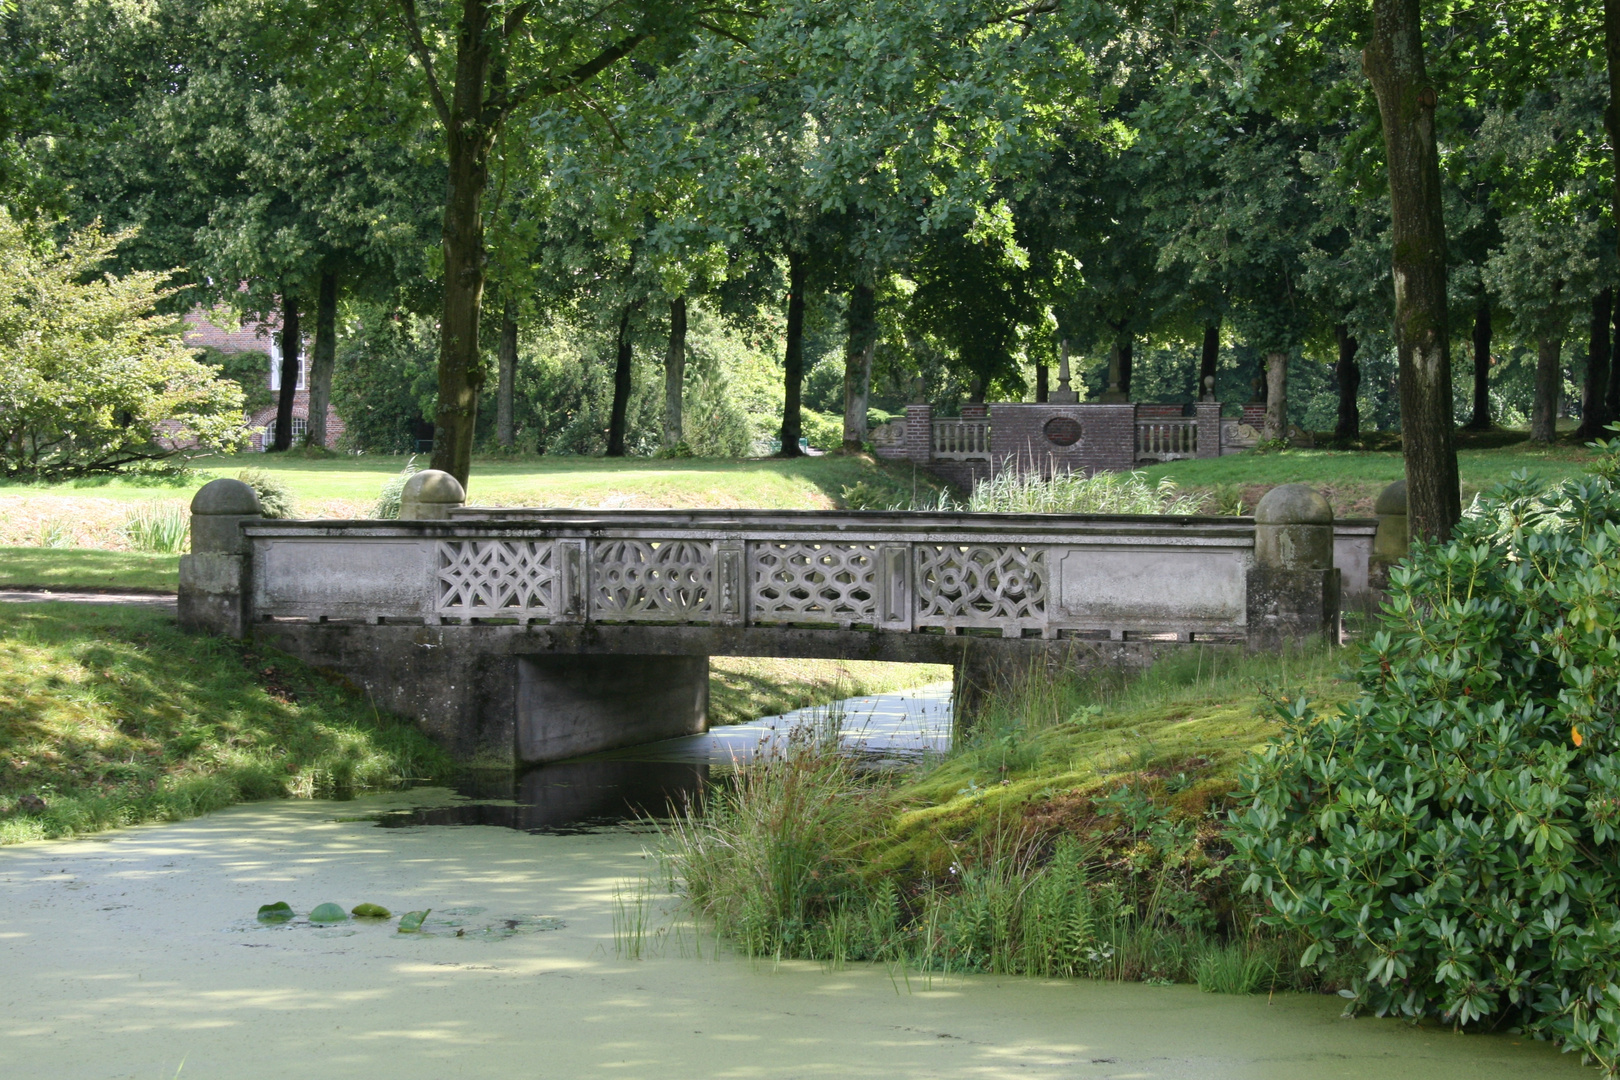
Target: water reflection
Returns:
[[882, 730]]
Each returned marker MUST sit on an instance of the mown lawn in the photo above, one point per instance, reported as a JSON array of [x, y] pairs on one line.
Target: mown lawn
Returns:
[[1352, 479], [808, 483], [85, 568], [111, 716]]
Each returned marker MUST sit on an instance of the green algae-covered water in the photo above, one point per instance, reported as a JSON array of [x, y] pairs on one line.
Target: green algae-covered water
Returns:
[[137, 954]]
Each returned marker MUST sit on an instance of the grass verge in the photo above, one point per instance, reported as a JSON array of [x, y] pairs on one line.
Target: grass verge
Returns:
[[1077, 832], [86, 568], [111, 716], [744, 688]]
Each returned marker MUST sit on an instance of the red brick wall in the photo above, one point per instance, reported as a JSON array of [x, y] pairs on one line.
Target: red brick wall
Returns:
[[1107, 437]]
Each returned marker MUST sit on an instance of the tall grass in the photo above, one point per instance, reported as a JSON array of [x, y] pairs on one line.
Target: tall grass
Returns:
[[393, 489], [162, 528], [1012, 491], [797, 857]]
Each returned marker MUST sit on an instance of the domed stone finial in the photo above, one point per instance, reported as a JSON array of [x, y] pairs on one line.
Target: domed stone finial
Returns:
[[429, 495], [1294, 529], [1394, 534], [217, 510]]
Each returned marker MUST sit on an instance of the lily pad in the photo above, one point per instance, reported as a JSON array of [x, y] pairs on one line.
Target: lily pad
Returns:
[[370, 911], [411, 921], [278, 912], [328, 913]]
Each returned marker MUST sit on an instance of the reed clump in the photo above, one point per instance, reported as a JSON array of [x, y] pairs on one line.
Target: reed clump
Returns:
[[1013, 491]]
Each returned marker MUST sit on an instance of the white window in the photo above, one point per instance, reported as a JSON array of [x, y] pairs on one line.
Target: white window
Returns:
[[300, 427], [275, 367]]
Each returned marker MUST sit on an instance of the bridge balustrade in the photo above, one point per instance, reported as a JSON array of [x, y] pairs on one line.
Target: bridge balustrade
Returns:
[[1011, 576]]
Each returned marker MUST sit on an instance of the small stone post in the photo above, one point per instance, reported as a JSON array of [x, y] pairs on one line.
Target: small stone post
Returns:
[[1393, 538], [215, 578], [1293, 588], [429, 495]]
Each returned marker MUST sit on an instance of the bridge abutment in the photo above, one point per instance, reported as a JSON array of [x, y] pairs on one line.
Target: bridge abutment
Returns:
[[568, 706]]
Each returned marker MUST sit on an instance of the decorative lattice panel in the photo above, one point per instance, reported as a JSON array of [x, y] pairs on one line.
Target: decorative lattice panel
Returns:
[[980, 585], [651, 580], [814, 583], [510, 578]]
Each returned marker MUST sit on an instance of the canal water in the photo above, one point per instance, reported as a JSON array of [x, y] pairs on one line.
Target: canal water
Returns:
[[137, 954], [630, 785]]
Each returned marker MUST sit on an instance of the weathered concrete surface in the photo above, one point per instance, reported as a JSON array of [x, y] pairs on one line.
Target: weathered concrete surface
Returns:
[[568, 706]]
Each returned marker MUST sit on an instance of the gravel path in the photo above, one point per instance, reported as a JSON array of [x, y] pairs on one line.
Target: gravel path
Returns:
[[163, 601]]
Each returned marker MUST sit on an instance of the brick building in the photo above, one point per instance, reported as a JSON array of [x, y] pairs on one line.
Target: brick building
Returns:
[[262, 338]]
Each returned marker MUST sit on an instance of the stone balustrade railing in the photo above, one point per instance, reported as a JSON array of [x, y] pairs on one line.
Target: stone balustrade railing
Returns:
[[961, 440], [1012, 576], [1166, 438]]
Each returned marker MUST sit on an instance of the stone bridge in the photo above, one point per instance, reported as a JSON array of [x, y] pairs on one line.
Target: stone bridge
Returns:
[[516, 636]]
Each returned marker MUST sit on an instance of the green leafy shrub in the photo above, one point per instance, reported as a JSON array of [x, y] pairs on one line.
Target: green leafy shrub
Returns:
[[92, 379], [1454, 829], [275, 497]]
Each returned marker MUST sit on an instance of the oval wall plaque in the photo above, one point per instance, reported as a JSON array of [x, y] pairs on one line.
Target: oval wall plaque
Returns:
[[1062, 431]]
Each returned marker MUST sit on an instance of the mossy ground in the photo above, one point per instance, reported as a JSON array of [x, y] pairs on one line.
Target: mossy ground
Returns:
[[111, 716], [1042, 752]]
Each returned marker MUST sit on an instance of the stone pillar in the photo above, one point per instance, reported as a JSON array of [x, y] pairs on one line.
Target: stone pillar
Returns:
[[1209, 428], [920, 433], [573, 705], [1393, 538], [429, 495], [1293, 587], [215, 583]]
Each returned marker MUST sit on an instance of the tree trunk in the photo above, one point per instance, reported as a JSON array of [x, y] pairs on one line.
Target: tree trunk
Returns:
[[1611, 120], [469, 133], [1481, 420], [506, 376], [1393, 61], [1549, 380], [1276, 424], [621, 387], [675, 374], [1123, 347], [1349, 378], [1611, 397], [1595, 415], [323, 359], [1042, 384], [860, 322], [793, 358], [1209, 361], [292, 340]]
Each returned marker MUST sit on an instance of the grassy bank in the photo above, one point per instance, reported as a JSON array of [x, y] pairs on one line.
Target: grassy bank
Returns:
[[744, 688], [111, 716], [1076, 833], [87, 568], [95, 513], [1352, 478]]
